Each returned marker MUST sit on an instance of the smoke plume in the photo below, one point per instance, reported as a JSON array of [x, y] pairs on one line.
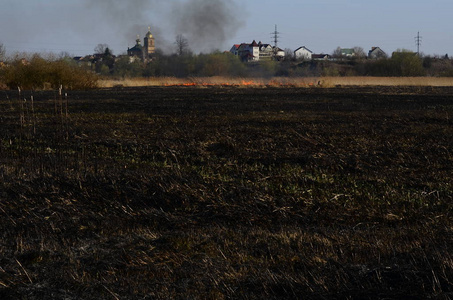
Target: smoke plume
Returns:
[[78, 26], [206, 24]]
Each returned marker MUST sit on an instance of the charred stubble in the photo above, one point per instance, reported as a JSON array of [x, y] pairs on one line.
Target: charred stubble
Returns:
[[215, 193]]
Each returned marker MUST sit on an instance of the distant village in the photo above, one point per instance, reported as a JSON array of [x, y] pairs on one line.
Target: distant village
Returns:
[[259, 51], [255, 59], [253, 52]]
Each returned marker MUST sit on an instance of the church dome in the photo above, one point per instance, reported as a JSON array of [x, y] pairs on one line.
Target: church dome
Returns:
[[149, 34]]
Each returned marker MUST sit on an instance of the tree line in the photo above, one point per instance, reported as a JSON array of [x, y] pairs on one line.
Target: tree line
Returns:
[[37, 71], [185, 64]]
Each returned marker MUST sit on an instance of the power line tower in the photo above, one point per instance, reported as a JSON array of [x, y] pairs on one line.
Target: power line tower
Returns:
[[275, 35], [418, 42]]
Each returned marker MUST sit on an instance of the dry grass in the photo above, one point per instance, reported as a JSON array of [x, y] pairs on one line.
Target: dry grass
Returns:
[[209, 81], [280, 81]]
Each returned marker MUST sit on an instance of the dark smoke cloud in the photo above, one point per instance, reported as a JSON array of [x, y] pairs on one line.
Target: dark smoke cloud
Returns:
[[78, 26], [206, 24]]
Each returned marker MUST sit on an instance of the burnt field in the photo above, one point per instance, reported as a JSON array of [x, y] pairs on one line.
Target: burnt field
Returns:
[[227, 193]]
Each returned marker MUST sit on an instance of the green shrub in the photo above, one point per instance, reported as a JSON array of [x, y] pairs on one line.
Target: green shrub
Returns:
[[402, 63], [220, 64]]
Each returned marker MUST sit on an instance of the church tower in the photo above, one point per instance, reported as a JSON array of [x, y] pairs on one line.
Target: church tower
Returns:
[[149, 46]]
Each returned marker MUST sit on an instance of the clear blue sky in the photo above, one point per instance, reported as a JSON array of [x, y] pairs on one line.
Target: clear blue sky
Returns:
[[78, 26]]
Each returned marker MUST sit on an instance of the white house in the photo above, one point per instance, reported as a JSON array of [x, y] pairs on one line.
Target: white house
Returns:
[[256, 51], [266, 51], [279, 53], [303, 53]]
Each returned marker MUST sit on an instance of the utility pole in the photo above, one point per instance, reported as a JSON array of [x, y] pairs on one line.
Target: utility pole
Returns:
[[418, 42]]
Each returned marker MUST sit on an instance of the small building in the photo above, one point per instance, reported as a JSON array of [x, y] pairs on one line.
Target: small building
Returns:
[[235, 49], [87, 60], [376, 53], [303, 53], [347, 52], [320, 57]]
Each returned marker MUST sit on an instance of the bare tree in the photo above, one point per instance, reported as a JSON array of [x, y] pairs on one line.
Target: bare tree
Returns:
[[182, 45], [337, 52], [64, 55], [289, 54], [100, 48], [2, 52], [359, 52]]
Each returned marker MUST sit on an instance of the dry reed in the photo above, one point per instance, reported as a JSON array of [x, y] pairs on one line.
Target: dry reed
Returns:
[[279, 81]]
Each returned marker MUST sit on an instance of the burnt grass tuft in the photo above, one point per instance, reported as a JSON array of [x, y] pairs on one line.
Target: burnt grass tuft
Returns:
[[227, 193]]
